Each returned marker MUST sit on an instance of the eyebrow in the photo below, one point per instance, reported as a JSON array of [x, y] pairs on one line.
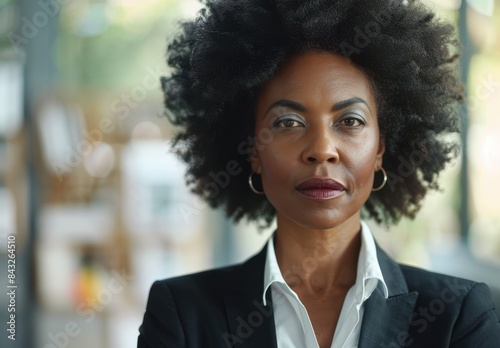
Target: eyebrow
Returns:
[[287, 104], [299, 107], [345, 103]]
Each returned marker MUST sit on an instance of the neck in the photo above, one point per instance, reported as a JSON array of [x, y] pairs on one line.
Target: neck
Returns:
[[318, 261]]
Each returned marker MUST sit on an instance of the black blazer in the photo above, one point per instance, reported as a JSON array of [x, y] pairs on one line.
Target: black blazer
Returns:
[[223, 308]]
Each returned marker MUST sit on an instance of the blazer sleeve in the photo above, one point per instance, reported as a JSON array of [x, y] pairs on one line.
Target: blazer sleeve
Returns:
[[161, 326], [477, 324]]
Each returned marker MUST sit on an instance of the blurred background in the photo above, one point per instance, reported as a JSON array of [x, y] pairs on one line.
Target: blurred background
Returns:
[[98, 205]]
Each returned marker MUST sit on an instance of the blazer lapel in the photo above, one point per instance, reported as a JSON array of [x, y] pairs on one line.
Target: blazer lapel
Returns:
[[386, 321], [251, 323]]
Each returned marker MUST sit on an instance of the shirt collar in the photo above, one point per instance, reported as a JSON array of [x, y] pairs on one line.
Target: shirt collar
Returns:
[[272, 272], [368, 275]]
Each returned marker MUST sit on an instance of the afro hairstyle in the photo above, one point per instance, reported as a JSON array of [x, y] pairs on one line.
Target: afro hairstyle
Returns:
[[221, 59]]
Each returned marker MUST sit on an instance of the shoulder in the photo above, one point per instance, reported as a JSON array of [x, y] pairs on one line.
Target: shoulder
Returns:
[[439, 290], [242, 277], [462, 307], [205, 281], [179, 306], [427, 282]]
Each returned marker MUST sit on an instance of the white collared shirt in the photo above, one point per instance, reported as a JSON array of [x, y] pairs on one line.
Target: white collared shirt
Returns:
[[292, 323]]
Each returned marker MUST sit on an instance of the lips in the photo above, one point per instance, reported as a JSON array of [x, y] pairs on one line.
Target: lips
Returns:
[[320, 188]]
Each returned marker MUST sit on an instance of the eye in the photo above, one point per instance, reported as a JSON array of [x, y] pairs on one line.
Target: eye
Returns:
[[288, 123], [352, 122]]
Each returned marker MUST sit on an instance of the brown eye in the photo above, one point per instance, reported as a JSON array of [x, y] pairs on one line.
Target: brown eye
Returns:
[[352, 122], [287, 123]]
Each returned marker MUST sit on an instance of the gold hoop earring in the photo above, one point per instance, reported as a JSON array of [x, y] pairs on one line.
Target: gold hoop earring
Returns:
[[250, 183], [383, 182]]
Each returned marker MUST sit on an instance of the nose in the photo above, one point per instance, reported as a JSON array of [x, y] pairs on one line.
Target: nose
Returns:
[[321, 146]]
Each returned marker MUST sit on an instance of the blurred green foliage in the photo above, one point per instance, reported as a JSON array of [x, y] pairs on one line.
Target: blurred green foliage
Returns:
[[109, 46]]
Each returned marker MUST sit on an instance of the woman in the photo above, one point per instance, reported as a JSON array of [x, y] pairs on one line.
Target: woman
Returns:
[[308, 109]]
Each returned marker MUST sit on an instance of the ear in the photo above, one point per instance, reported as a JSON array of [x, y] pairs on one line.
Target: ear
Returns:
[[255, 161], [380, 153]]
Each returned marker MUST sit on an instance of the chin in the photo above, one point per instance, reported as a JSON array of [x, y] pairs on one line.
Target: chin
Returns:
[[322, 221], [327, 225]]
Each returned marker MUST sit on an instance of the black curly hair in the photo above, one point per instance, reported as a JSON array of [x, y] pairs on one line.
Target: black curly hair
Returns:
[[221, 59]]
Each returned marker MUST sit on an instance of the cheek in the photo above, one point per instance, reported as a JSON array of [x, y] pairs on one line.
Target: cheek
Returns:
[[277, 163], [362, 167], [272, 162]]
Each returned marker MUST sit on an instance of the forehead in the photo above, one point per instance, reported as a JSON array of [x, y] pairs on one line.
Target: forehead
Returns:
[[315, 76]]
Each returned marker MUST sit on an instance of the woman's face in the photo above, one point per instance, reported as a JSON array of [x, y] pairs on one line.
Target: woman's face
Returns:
[[318, 143]]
